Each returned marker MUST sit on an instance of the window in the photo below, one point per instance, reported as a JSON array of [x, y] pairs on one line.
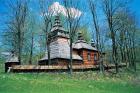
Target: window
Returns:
[[95, 56], [88, 56]]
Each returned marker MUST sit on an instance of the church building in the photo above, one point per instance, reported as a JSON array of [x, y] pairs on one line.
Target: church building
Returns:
[[83, 53]]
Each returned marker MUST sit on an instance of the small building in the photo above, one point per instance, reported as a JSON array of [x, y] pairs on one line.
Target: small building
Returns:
[[83, 53], [11, 61]]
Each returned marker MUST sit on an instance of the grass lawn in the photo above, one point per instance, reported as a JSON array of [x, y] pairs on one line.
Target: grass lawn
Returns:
[[89, 82]]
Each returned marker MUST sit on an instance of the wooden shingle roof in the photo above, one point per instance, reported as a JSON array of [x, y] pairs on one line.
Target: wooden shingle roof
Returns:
[[12, 58], [81, 44]]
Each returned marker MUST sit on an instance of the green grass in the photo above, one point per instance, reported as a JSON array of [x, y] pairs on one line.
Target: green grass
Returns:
[[88, 82]]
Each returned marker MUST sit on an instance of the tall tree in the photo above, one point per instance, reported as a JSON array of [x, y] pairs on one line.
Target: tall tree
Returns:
[[18, 11], [47, 20], [72, 21], [92, 7], [31, 35], [127, 37], [110, 8]]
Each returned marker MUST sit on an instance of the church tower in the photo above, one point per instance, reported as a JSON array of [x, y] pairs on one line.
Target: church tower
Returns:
[[59, 46], [57, 31]]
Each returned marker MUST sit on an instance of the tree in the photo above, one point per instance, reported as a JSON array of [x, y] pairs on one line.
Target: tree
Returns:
[[31, 35], [16, 25], [110, 8], [92, 8], [72, 21], [127, 37], [124, 26], [47, 20]]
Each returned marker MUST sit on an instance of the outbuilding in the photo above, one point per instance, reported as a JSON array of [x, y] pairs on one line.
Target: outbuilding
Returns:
[[11, 61]]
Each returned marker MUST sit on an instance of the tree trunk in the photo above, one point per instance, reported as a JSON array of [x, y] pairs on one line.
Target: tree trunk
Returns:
[[31, 50], [19, 46], [49, 60], [71, 56]]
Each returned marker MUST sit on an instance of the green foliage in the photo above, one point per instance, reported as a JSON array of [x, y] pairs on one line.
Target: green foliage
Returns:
[[85, 32]]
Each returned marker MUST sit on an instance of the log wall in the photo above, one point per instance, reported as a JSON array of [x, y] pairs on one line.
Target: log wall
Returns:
[[85, 54]]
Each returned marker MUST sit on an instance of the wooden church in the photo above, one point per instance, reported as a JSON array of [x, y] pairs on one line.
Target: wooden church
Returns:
[[85, 56], [82, 54]]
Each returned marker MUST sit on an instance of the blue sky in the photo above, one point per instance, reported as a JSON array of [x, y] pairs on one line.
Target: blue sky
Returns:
[[134, 7]]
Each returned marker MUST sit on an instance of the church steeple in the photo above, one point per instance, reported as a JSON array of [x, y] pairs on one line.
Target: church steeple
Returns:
[[80, 37], [57, 30], [57, 24]]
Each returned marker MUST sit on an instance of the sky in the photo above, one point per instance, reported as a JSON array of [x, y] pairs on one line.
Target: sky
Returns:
[[134, 6]]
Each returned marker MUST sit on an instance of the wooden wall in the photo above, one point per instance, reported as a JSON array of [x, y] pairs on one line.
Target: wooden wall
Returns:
[[83, 53], [60, 62], [85, 57]]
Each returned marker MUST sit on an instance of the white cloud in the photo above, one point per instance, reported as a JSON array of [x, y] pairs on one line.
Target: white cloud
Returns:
[[5, 53], [56, 8], [75, 12]]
